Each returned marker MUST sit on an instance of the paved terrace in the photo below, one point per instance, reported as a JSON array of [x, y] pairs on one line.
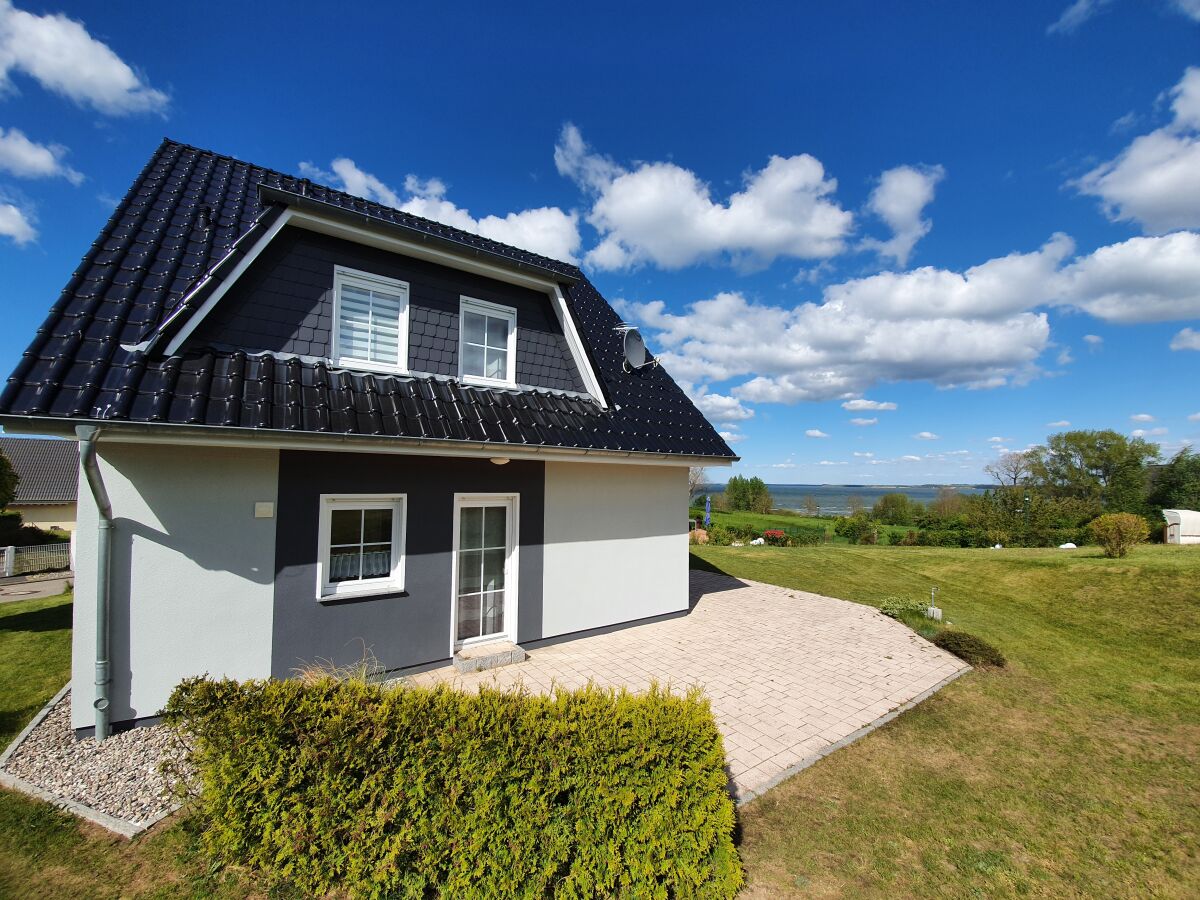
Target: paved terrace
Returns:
[[791, 675]]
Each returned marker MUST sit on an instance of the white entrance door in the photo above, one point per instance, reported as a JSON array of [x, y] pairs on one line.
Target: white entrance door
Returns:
[[485, 570]]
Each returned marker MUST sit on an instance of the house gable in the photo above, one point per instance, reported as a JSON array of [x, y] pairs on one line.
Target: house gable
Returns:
[[284, 304]]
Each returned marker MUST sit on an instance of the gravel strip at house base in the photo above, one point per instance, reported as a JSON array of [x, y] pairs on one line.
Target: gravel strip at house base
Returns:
[[120, 778]]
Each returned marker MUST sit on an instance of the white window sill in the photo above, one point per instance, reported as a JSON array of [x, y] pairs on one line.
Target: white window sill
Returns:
[[488, 382], [363, 365], [374, 589]]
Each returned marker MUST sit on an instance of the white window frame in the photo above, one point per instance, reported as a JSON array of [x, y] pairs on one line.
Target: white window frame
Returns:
[[390, 584], [512, 570], [344, 276], [496, 311]]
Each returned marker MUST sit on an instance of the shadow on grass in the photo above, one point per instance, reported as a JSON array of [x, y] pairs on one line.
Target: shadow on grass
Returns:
[[50, 618], [703, 565]]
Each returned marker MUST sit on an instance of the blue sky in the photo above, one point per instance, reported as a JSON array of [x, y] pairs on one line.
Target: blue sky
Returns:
[[984, 216]]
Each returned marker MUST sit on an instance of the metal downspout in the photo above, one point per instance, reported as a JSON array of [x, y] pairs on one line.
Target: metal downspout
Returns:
[[88, 436]]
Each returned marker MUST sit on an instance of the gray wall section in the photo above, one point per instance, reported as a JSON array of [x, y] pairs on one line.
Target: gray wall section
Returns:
[[405, 629], [191, 573], [283, 303]]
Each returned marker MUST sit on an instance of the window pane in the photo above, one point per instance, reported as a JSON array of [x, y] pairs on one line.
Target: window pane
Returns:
[[497, 364], [473, 327], [493, 570], [492, 613], [497, 332], [469, 564], [472, 360], [493, 526], [376, 560], [468, 617], [470, 528], [377, 526], [344, 563], [345, 526]]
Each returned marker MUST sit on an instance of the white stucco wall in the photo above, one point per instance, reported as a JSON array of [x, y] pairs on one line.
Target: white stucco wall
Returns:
[[615, 546], [193, 571]]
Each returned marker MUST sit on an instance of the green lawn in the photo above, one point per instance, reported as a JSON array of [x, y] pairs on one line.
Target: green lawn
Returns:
[[1075, 772], [785, 518]]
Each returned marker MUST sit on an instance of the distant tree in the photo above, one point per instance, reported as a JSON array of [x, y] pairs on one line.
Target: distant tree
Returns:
[[947, 504], [697, 479], [895, 509], [8, 481], [855, 504], [1176, 485], [1102, 466], [811, 506], [1011, 468], [748, 494]]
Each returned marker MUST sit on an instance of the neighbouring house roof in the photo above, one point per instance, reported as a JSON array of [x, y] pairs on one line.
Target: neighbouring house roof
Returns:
[[48, 468], [98, 357]]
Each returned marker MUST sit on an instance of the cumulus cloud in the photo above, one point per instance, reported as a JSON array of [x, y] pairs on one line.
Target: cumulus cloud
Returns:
[[60, 54], [861, 404], [1141, 417], [24, 158], [1075, 15], [1187, 339], [832, 462], [864, 454], [1061, 423], [719, 406], [1094, 341], [731, 437], [663, 214], [996, 439], [910, 458], [926, 436], [546, 230], [815, 433], [899, 200], [1148, 432], [1154, 180], [1189, 8], [864, 422], [15, 224], [1194, 417]]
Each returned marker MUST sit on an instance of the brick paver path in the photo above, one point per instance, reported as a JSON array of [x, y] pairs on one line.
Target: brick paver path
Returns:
[[790, 674]]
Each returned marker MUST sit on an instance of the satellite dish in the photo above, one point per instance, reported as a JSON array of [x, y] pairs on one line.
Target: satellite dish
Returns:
[[634, 348]]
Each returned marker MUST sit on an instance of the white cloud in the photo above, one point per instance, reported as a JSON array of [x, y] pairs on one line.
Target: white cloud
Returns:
[[862, 405], [1141, 417], [1153, 181], [1189, 8], [664, 214], [719, 406], [864, 422], [926, 436], [1064, 357], [546, 230], [1194, 417], [58, 53], [731, 437], [864, 455], [1148, 432], [1094, 341], [996, 439], [899, 199], [910, 458], [1061, 423], [1075, 15], [815, 433], [27, 159], [830, 462], [15, 224], [782, 465], [1187, 339]]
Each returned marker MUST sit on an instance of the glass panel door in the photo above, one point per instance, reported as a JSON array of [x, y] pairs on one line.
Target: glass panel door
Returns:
[[482, 567]]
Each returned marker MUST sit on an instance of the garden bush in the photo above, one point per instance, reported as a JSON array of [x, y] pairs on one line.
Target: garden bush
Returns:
[[776, 538], [719, 536], [336, 786], [898, 606], [805, 535], [966, 646], [1117, 533]]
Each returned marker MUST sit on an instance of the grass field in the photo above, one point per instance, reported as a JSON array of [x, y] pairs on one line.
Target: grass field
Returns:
[[1075, 772], [784, 518]]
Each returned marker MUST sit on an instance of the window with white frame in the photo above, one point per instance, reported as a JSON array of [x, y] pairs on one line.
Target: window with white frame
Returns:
[[487, 350], [361, 544], [371, 320]]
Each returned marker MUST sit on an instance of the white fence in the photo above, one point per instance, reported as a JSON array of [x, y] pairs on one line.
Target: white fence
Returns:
[[43, 558]]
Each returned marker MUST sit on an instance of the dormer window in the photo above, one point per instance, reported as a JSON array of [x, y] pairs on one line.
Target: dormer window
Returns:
[[371, 321], [487, 343]]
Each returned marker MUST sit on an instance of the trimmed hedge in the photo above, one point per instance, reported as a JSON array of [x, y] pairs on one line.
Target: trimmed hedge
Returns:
[[897, 607], [346, 786], [967, 646]]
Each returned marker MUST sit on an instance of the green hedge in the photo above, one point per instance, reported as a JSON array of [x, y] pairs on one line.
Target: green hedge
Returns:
[[334, 785]]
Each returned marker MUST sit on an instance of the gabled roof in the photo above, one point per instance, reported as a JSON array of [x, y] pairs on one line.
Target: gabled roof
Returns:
[[48, 468], [95, 358]]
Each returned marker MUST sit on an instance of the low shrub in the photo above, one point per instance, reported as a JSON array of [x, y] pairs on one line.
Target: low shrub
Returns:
[[970, 648], [336, 786], [1117, 533], [719, 536], [896, 607], [776, 538], [805, 535]]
